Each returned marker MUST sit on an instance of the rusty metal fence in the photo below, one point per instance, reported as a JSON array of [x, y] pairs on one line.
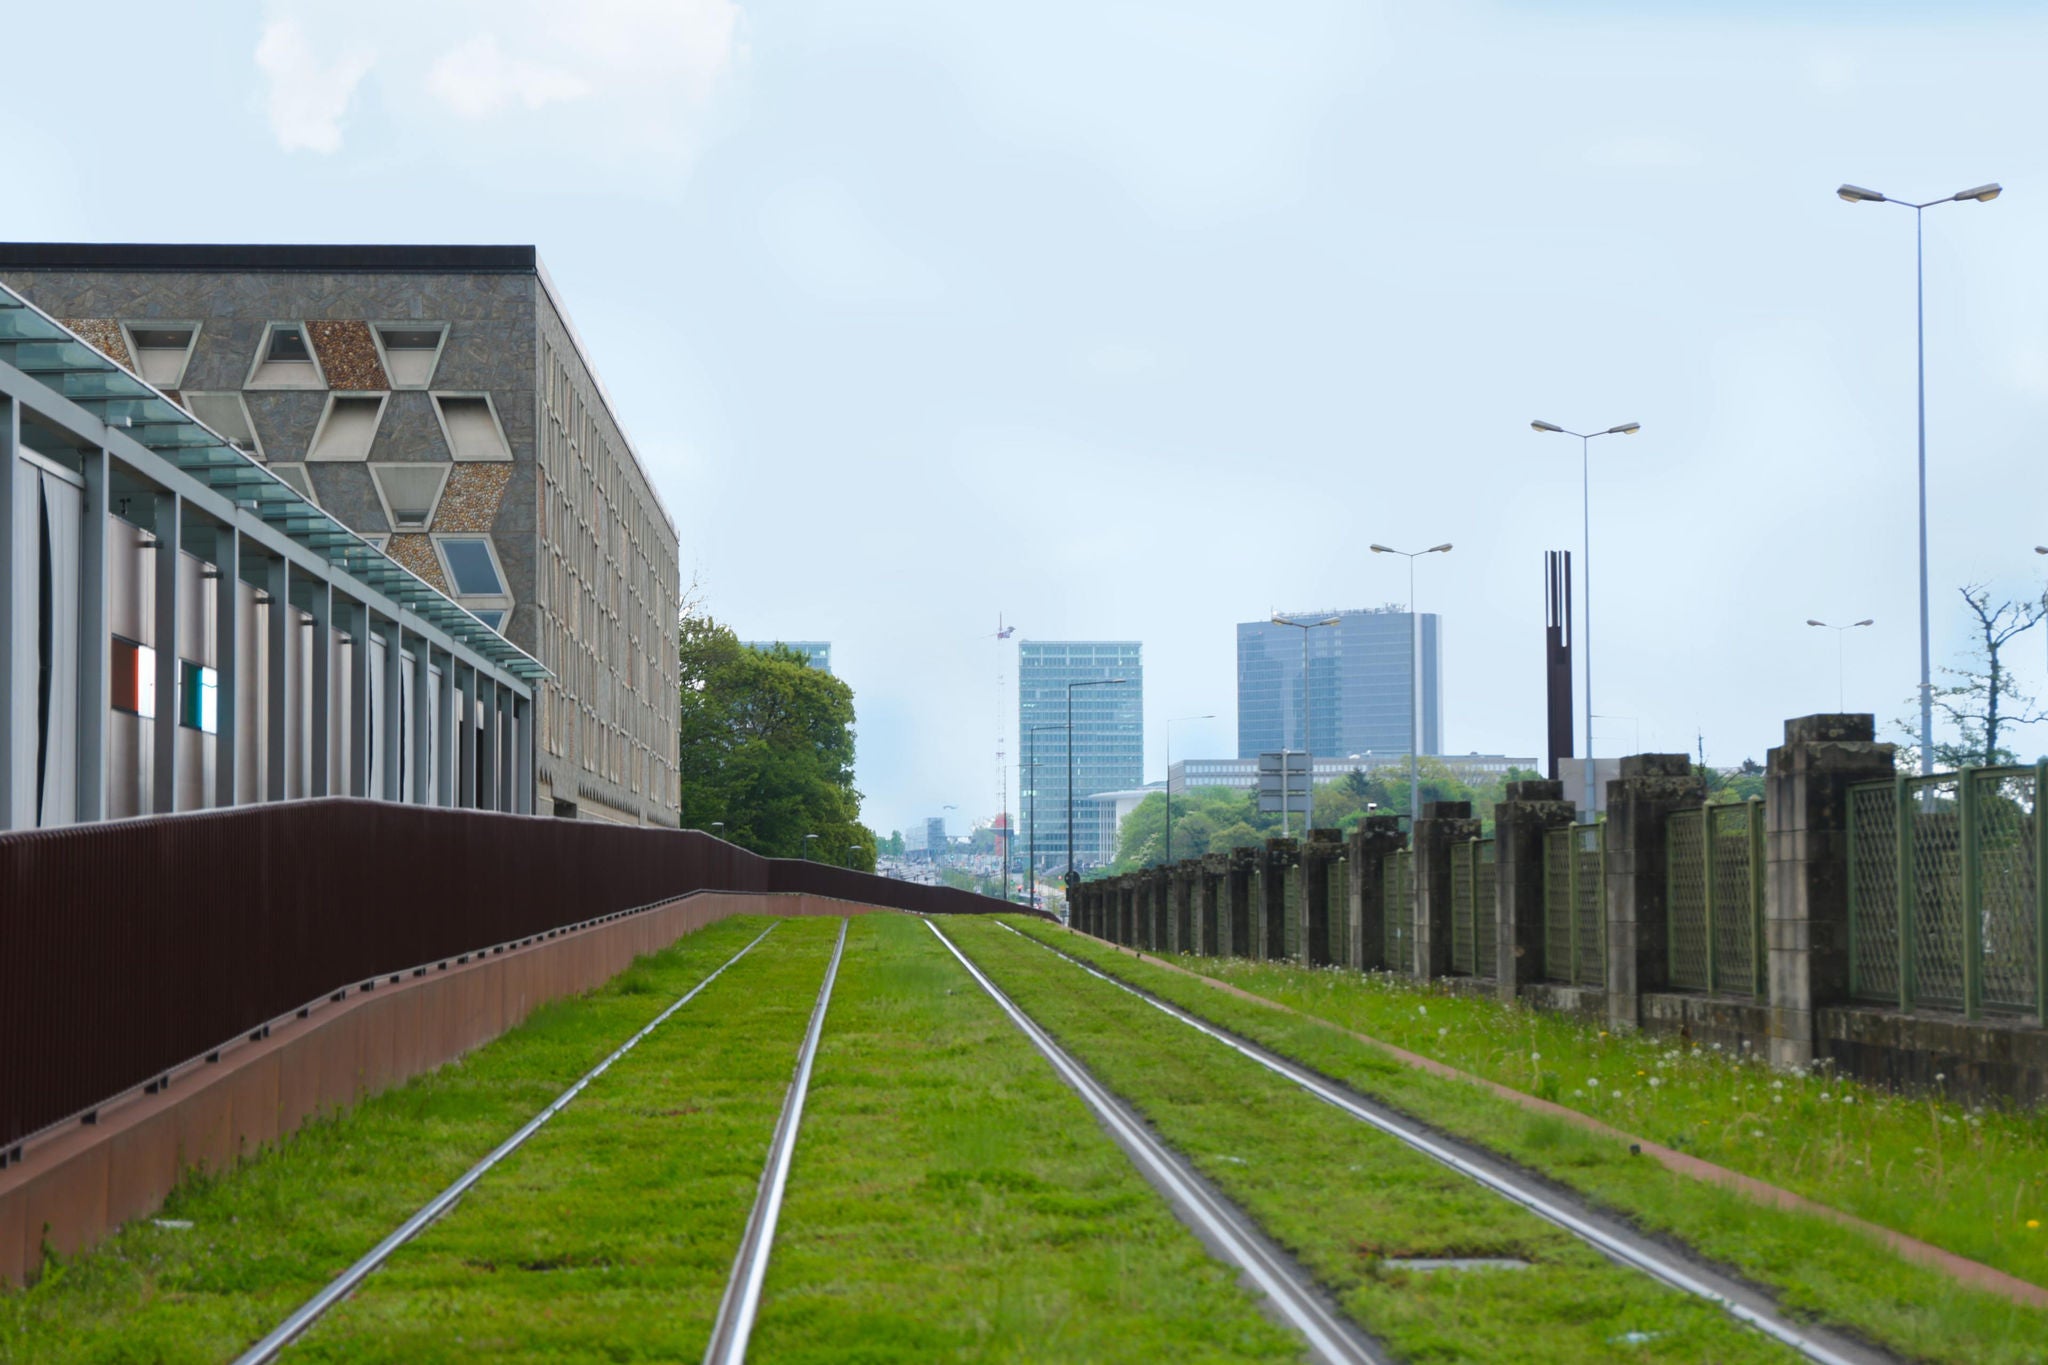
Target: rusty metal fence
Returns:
[[130, 947]]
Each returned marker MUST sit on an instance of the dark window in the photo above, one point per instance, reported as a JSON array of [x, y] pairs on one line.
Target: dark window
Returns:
[[288, 343], [406, 340], [162, 338]]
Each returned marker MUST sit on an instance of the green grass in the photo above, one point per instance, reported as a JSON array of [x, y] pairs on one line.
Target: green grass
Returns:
[[951, 1199], [1346, 1199], [268, 1234], [1969, 1178], [1816, 1267], [609, 1236]]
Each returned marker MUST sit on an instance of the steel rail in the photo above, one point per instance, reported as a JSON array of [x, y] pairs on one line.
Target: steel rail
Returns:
[[1637, 1252], [345, 1283], [1211, 1215], [742, 1299]]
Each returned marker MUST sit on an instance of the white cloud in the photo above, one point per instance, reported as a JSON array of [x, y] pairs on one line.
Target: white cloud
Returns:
[[306, 98], [477, 80]]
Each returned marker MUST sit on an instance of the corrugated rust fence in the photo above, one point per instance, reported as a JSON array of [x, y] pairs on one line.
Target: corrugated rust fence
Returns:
[[129, 947]]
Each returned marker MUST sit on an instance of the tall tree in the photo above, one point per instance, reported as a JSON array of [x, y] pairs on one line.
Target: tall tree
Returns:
[[766, 748], [1983, 702]]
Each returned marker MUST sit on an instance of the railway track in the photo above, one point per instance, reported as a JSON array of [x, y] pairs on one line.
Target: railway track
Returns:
[[342, 1285], [742, 1300], [1220, 1224], [1610, 1236]]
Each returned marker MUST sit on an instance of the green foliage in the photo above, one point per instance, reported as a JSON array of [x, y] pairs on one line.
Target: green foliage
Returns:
[[766, 746], [891, 847]]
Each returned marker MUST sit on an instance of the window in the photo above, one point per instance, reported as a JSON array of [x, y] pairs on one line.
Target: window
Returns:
[[492, 618], [133, 684], [411, 353], [227, 414], [410, 492], [376, 541], [198, 697], [161, 350], [475, 578], [471, 425], [348, 427], [294, 475], [284, 360]]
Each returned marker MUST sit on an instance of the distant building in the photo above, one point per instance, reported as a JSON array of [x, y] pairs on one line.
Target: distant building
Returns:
[[935, 835], [1241, 774], [1358, 693], [1103, 814], [1108, 739], [817, 653]]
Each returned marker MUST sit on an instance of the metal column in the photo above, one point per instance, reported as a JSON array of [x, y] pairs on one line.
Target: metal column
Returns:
[[10, 561], [392, 721], [320, 761], [95, 644], [277, 634], [360, 722], [487, 746], [170, 511], [522, 752], [466, 754], [446, 743], [227, 638], [422, 686]]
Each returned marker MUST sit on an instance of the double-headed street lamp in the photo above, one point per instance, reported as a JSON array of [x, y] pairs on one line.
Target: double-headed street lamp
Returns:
[[1982, 194], [1090, 682], [1308, 756], [1840, 631], [1414, 667], [1170, 723], [1586, 574]]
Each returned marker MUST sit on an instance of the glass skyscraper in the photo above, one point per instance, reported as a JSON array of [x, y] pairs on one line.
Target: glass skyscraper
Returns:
[[1358, 673], [1109, 739]]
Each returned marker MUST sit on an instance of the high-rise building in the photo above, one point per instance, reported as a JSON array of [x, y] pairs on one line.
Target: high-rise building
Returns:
[[437, 402], [817, 653], [1108, 739], [1358, 684]]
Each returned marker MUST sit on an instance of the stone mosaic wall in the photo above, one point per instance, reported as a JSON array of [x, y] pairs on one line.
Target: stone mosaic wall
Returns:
[[106, 336], [348, 355]]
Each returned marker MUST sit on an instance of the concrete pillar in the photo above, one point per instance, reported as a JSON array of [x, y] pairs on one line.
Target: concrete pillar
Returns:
[[1180, 906], [391, 724], [1651, 788], [1443, 824], [465, 727], [1277, 911], [1321, 939], [227, 616], [1806, 870], [95, 643], [1241, 879], [320, 753], [1519, 826], [522, 746], [420, 754], [446, 744], [277, 639], [170, 519], [1205, 891], [1370, 844], [359, 700]]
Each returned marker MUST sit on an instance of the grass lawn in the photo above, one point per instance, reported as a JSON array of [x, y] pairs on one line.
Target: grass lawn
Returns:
[[952, 1200], [609, 1235], [1728, 1110], [1347, 1199], [266, 1236]]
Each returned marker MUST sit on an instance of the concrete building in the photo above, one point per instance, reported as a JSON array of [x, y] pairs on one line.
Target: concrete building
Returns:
[[1242, 774], [1358, 693], [1108, 739], [1105, 813], [181, 629], [436, 401], [817, 653]]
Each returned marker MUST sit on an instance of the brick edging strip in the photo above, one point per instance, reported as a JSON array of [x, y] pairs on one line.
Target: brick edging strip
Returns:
[[1975, 1274]]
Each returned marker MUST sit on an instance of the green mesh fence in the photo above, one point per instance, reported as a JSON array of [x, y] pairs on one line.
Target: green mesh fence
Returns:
[[1735, 894], [1557, 905], [1589, 902], [1874, 891], [2004, 844], [1398, 887], [1934, 830], [1685, 900], [1463, 937], [1486, 900]]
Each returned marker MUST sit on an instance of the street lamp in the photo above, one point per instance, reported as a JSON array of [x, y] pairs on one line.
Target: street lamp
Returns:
[[1170, 723], [1982, 194], [1414, 668], [1031, 785], [1586, 573], [852, 849], [1840, 631], [1308, 756], [1090, 682], [720, 826], [807, 846]]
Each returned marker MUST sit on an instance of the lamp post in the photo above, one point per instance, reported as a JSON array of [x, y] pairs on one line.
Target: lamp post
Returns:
[[852, 849], [718, 825], [1308, 754], [1586, 573], [1031, 785], [1414, 671], [1840, 631], [807, 846], [1982, 194], [1170, 723], [1089, 682]]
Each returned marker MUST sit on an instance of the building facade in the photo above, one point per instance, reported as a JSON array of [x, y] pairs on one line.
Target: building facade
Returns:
[[182, 630], [817, 653], [437, 402], [1358, 690], [1108, 740], [1242, 774]]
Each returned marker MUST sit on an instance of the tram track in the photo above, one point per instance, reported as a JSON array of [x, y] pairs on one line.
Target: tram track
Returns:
[[1609, 1235], [341, 1286], [1223, 1227]]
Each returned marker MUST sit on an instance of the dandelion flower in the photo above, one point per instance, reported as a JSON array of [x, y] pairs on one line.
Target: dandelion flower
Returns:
[[2033, 1222], [1535, 1056], [1656, 1081], [1617, 1094]]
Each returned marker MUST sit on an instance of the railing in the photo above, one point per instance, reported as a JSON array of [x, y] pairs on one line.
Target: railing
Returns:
[[131, 947], [1397, 902], [1475, 909], [1946, 904], [1574, 905], [1714, 896]]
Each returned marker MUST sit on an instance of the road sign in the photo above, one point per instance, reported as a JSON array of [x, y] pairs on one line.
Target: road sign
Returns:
[[1285, 772]]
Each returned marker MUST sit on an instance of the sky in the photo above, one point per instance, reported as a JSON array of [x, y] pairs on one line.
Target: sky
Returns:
[[1135, 320]]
